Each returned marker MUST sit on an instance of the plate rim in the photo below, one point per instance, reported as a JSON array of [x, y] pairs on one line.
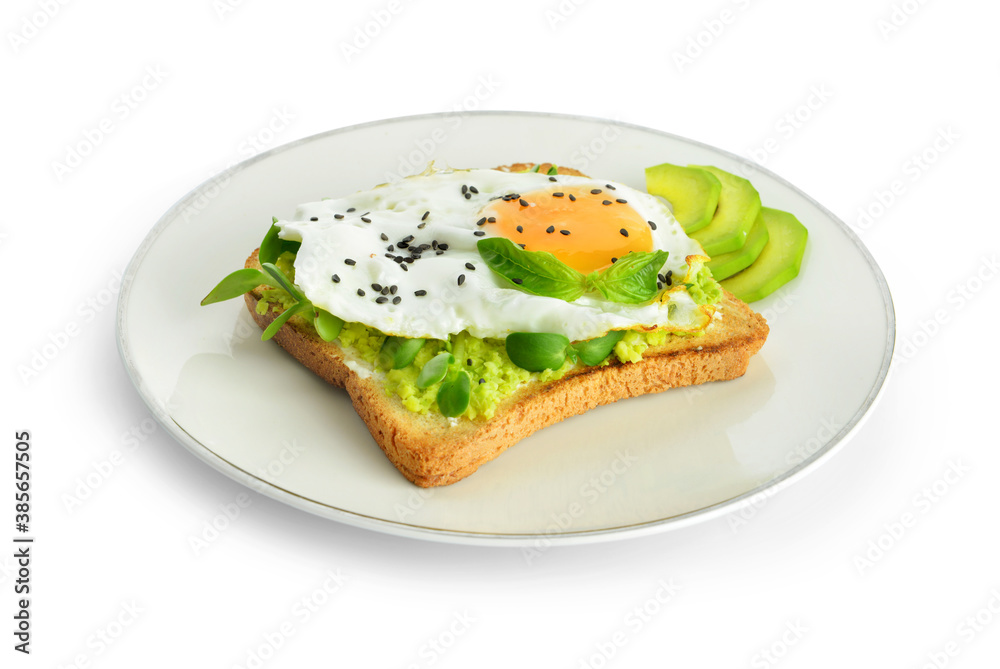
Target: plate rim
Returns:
[[399, 528]]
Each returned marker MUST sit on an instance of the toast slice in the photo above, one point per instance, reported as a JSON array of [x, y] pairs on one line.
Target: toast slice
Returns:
[[431, 450]]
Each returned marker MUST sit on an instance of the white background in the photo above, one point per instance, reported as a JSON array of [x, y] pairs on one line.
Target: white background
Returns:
[[801, 577]]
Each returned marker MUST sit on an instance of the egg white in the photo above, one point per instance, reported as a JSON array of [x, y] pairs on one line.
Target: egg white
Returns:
[[483, 304]]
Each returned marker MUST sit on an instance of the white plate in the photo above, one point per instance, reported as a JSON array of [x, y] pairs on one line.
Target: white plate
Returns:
[[636, 467]]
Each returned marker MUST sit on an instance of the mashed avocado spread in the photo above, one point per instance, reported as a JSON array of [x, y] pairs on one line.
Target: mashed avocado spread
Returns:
[[494, 376]]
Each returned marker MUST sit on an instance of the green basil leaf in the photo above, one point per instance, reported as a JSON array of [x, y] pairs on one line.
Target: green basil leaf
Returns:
[[552, 170], [327, 325], [282, 318], [537, 351], [453, 396], [273, 245], [239, 282], [435, 370], [594, 351], [399, 352], [540, 272], [632, 279], [283, 281]]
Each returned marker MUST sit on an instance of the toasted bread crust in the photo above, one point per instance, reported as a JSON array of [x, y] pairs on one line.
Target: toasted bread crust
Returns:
[[431, 450]]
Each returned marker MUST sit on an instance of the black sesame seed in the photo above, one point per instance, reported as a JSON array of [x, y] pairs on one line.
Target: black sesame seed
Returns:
[[517, 281], [661, 278], [572, 197], [609, 187], [523, 202], [479, 233], [473, 189], [390, 247], [424, 247], [468, 361], [550, 229], [381, 299], [377, 287], [438, 253], [624, 232], [385, 290], [605, 202], [348, 261], [335, 278], [366, 220], [405, 268], [659, 285], [392, 289], [482, 380], [402, 245], [614, 260], [421, 226], [409, 259], [564, 232], [469, 265], [468, 196], [361, 293], [652, 226], [397, 299], [424, 217], [523, 246], [465, 189], [420, 293], [491, 219], [558, 194], [351, 209], [669, 281], [408, 238], [389, 256], [520, 228], [552, 178], [443, 247], [434, 244], [621, 201], [314, 218], [384, 237], [398, 259], [481, 221], [595, 191]]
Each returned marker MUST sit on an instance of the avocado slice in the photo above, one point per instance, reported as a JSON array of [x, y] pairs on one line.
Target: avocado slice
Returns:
[[739, 204], [692, 192], [727, 264], [777, 264]]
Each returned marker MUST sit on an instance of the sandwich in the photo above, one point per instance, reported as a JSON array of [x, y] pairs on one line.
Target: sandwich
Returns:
[[463, 310]]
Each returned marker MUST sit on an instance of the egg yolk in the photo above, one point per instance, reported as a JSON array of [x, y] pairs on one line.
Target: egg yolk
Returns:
[[586, 228]]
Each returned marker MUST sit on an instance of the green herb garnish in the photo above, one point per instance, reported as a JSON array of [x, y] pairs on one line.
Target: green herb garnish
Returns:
[[238, 282], [273, 245], [399, 352], [538, 351], [435, 370], [454, 394], [537, 272], [245, 280], [631, 280], [594, 351]]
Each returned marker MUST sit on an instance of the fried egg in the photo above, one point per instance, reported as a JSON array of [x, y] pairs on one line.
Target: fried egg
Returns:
[[402, 257]]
